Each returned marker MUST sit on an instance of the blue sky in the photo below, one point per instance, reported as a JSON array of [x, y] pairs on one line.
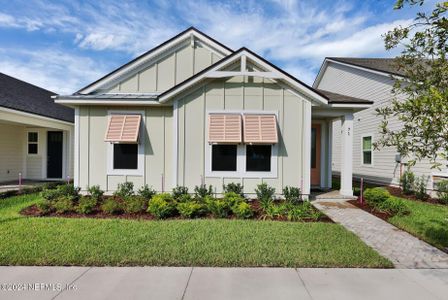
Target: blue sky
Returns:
[[64, 45]]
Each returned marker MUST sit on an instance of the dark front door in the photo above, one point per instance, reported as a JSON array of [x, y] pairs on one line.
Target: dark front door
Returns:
[[54, 154]]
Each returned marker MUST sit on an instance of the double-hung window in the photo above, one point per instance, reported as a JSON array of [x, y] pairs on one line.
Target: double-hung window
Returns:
[[367, 150], [242, 145], [33, 143], [125, 149]]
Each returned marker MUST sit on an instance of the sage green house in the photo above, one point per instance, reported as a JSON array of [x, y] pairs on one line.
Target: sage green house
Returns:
[[192, 111]]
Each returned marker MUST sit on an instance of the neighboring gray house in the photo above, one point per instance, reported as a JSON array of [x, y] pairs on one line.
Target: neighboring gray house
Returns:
[[371, 79], [194, 111], [36, 134]]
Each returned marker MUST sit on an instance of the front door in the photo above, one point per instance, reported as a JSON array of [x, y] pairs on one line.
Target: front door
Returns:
[[54, 154], [315, 154]]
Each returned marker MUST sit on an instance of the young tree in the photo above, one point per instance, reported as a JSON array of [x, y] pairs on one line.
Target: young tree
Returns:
[[423, 91]]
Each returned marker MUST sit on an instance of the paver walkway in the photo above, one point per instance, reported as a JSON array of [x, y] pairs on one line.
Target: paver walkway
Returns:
[[400, 247]]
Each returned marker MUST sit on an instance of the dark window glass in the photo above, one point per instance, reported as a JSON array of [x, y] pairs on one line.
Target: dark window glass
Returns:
[[125, 156], [258, 158], [224, 158], [367, 157], [313, 148], [32, 148], [32, 137]]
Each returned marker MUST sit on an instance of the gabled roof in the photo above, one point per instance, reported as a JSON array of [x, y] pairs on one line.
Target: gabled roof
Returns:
[[22, 96], [334, 98], [282, 75], [186, 34], [386, 65]]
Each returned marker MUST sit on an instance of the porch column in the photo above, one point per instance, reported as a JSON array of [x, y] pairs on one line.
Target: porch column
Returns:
[[347, 155]]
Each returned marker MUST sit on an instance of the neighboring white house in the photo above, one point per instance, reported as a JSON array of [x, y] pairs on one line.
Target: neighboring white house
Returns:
[[193, 111], [370, 79], [36, 134]]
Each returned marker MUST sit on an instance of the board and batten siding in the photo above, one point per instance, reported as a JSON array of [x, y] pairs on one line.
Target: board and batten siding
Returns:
[[168, 71], [241, 94], [156, 136], [375, 87]]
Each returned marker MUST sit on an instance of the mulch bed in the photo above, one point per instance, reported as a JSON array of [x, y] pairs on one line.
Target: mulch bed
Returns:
[[397, 192], [364, 206], [34, 211]]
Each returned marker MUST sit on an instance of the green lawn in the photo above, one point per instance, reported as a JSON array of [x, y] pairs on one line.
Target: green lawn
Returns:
[[427, 221], [63, 241]]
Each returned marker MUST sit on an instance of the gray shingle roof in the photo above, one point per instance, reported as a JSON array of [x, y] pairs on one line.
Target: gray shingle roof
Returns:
[[334, 98], [386, 65], [20, 95]]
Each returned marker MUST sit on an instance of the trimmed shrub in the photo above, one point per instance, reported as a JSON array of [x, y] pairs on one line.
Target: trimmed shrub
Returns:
[[111, 206], [63, 204], [191, 209], [303, 211], [125, 189], [236, 188], [86, 205], [135, 204], [292, 195], [407, 182], [242, 210], [50, 195], [232, 198], [275, 211], [162, 206], [202, 191], [178, 191], [146, 192], [96, 192], [265, 195], [219, 208], [394, 206], [45, 207], [442, 191], [69, 190], [376, 196], [420, 188], [184, 198]]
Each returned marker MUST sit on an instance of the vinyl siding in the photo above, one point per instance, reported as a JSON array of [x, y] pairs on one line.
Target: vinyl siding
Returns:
[[240, 94], [93, 154], [366, 85], [11, 151], [168, 70]]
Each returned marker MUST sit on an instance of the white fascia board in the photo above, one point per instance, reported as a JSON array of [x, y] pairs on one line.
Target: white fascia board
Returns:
[[353, 105], [143, 60], [321, 73], [110, 102], [26, 114], [319, 99]]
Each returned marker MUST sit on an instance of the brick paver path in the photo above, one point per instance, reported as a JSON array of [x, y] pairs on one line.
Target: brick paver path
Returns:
[[403, 249]]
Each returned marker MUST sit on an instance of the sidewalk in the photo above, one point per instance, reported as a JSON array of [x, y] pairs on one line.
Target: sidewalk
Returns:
[[224, 283], [400, 247]]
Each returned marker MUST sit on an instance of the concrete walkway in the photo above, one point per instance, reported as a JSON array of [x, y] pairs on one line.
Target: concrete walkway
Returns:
[[402, 248], [221, 283]]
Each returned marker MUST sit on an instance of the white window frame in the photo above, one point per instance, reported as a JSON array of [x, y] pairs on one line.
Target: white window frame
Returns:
[[241, 153], [28, 142], [141, 148], [362, 150]]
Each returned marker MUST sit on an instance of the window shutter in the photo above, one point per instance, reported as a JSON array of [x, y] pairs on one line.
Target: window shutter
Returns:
[[224, 128], [123, 129], [260, 129]]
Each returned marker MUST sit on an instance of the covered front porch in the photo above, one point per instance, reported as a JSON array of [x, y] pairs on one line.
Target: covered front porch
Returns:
[[322, 142], [34, 147]]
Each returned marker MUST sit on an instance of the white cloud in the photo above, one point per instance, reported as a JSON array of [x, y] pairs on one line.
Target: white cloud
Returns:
[[54, 70]]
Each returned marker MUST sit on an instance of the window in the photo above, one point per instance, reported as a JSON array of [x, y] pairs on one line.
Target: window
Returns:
[[224, 157], [33, 142], [367, 150], [125, 143], [126, 156], [258, 158]]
